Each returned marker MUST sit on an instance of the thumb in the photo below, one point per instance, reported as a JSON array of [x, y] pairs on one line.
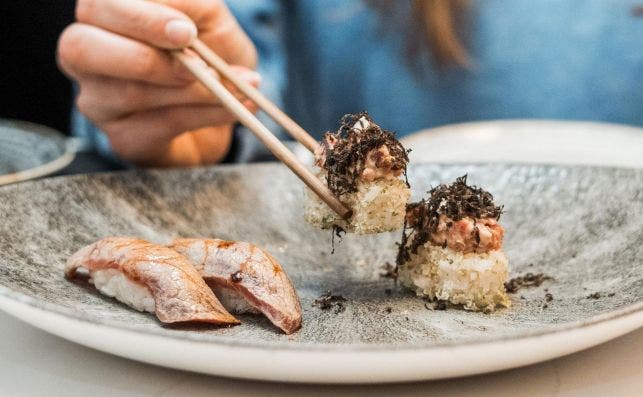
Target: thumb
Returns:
[[155, 24]]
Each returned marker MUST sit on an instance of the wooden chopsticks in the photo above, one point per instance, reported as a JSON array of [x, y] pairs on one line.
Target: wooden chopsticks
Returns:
[[257, 97], [230, 102]]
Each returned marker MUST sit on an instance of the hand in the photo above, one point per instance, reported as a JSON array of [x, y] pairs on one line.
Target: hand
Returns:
[[151, 108]]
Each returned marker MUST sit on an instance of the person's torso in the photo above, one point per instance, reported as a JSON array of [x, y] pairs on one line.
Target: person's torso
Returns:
[[547, 59]]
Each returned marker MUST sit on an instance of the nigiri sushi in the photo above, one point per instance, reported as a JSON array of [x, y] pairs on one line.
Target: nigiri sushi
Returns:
[[451, 248], [245, 278], [362, 165], [151, 278]]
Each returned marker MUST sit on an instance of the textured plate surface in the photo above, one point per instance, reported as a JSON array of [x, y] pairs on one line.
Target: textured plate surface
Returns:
[[30, 150], [581, 225]]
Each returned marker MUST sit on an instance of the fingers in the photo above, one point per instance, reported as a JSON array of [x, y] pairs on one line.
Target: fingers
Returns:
[[172, 24], [219, 29], [158, 127], [190, 148], [155, 24], [86, 50], [105, 98]]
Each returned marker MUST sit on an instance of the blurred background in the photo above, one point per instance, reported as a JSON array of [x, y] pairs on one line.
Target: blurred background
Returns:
[[413, 65], [31, 86]]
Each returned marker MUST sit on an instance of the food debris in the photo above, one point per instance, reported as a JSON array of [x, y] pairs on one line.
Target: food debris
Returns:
[[389, 309], [388, 291], [236, 277], [528, 280], [436, 305], [595, 295], [548, 298], [327, 301], [336, 231], [389, 271]]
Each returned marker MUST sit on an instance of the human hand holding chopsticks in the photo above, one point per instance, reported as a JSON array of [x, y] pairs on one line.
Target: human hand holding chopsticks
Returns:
[[137, 94], [118, 47], [198, 58]]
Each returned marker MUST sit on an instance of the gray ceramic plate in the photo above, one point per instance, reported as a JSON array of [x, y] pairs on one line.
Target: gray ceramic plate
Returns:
[[583, 226], [530, 141], [30, 151]]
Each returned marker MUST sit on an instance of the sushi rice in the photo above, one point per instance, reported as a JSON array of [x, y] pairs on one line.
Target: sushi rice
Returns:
[[112, 282], [473, 280], [378, 206]]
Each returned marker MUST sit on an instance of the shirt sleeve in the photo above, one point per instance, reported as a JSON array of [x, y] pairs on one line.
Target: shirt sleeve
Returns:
[[263, 21]]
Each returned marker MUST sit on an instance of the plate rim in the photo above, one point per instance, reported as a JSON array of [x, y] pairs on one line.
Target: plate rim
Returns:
[[47, 168], [628, 128], [297, 366], [608, 316], [231, 166]]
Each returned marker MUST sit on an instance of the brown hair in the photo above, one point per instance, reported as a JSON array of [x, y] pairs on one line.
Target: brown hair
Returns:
[[438, 25], [442, 22]]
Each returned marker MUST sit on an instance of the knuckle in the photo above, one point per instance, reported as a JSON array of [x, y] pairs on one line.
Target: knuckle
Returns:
[[132, 94], [137, 18], [144, 62], [209, 10]]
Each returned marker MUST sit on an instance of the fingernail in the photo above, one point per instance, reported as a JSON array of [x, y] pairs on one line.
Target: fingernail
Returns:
[[180, 32]]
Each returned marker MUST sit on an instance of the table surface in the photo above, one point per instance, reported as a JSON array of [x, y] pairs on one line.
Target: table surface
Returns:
[[34, 362]]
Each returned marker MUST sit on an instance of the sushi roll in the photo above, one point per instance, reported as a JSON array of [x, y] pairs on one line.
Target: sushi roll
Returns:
[[363, 165], [150, 278], [245, 278], [451, 248]]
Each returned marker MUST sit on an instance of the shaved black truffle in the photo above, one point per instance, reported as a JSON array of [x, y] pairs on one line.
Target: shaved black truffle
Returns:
[[345, 157], [456, 201]]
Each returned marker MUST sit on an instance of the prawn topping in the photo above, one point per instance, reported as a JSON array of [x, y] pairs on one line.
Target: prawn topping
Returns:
[[359, 150], [461, 217]]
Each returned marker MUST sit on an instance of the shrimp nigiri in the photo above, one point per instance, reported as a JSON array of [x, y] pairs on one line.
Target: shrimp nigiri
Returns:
[[242, 270], [149, 277]]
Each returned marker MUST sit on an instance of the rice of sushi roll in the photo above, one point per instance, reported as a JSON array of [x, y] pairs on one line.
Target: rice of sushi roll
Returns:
[[362, 165], [451, 248]]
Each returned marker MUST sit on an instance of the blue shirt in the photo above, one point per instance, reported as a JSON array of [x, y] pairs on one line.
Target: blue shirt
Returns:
[[547, 59]]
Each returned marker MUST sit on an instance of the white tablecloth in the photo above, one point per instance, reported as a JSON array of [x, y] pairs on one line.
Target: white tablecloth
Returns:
[[34, 363]]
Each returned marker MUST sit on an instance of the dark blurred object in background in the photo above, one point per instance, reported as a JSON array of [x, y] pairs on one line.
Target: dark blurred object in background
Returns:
[[31, 87]]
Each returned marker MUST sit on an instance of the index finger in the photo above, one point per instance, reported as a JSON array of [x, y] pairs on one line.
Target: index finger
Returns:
[[153, 23]]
